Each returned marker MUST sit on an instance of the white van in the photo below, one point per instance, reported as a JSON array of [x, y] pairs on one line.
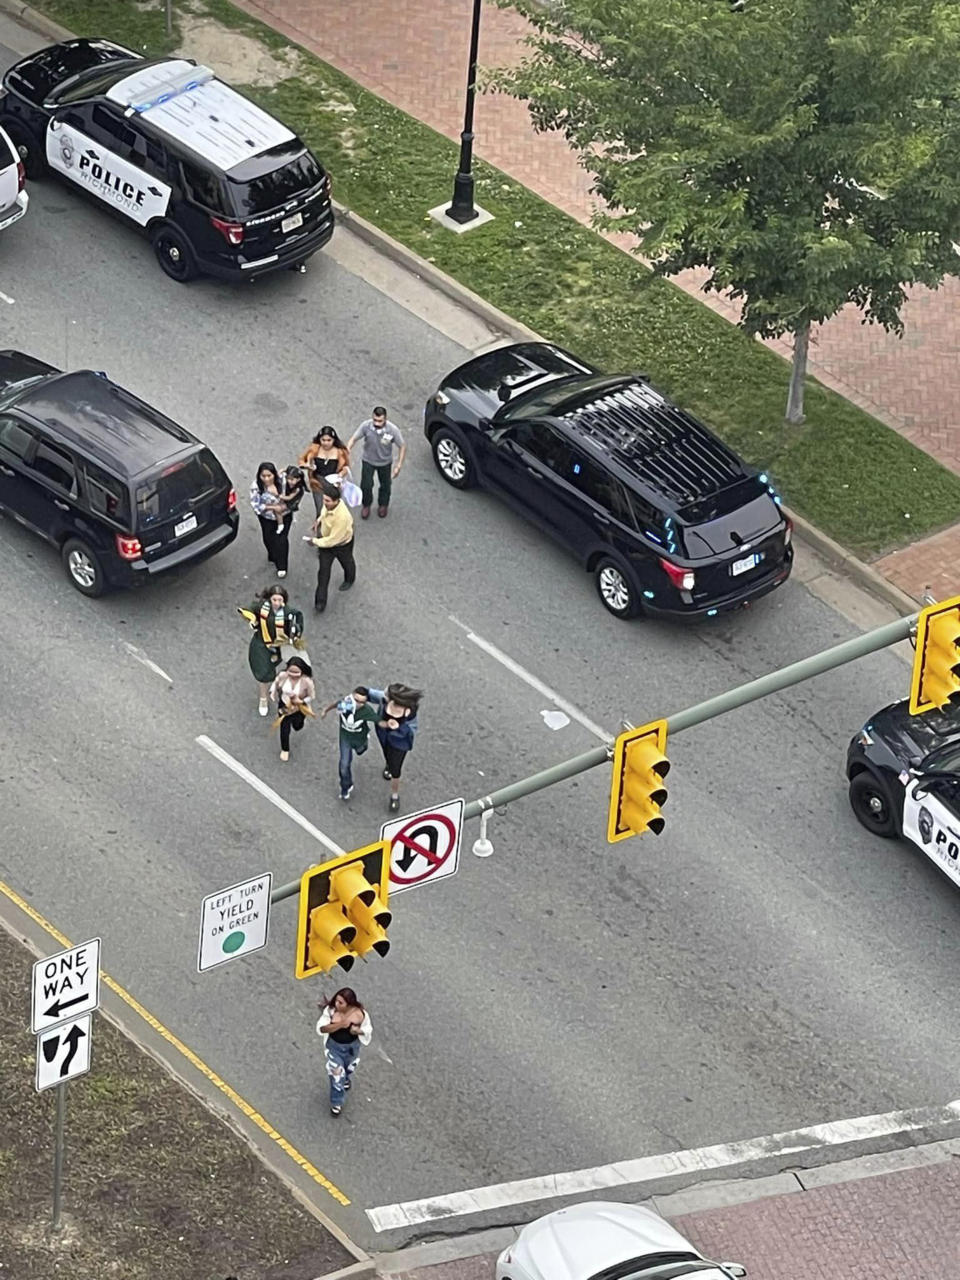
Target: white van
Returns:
[[13, 195]]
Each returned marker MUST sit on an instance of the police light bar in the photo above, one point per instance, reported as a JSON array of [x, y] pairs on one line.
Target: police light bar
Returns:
[[185, 82]]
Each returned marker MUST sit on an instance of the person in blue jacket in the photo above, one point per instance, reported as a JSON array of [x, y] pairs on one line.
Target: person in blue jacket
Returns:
[[397, 707]]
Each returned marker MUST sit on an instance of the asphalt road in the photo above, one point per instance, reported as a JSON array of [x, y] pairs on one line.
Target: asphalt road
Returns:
[[763, 965]]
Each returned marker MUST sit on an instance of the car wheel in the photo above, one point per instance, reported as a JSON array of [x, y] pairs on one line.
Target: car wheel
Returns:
[[870, 801], [174, 254], [616, 590], [452, 457], [28, 148], [83, 567]]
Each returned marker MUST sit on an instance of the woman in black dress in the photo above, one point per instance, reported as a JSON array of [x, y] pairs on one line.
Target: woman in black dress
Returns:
[[327, 458]]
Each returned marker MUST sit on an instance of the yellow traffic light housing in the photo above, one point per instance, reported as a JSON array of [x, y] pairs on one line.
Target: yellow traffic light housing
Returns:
[[936, 662], [343, 910], [637, 791]]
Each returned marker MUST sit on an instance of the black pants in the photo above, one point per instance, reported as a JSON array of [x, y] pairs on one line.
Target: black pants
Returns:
[[326, 557], [292, 723], [276, 541]]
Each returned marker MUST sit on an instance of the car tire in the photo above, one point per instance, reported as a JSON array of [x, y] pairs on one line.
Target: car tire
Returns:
[[176, 257], [871, 804], [616, 590], [83, 568], [452, 458], [28, 148]]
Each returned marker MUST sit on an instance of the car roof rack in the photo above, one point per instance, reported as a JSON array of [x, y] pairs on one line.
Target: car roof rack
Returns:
[[665, 447]]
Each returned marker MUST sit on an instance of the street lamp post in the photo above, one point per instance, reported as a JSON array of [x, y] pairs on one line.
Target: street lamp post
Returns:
[[463, 209]]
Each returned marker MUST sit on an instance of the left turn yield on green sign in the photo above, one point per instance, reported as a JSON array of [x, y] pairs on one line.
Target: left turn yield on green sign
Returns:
[[233, 922]]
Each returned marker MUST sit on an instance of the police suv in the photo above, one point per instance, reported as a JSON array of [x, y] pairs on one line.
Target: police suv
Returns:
[[218, 185], [904, 774]]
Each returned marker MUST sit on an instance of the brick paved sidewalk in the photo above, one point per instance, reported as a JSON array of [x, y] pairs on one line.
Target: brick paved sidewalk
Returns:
[[414, 54], [893, 1226]]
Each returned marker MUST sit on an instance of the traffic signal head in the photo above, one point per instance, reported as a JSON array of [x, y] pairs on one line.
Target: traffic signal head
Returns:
[[637, 791], [936, 663], [343, 911]]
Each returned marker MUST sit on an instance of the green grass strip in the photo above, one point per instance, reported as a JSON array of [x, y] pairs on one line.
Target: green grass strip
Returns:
[[851, 475]]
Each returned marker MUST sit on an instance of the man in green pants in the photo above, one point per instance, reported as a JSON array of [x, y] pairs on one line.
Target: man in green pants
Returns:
[[379, 436]]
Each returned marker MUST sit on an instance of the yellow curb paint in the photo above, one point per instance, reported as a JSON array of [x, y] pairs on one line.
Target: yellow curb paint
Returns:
[[252, 1115]]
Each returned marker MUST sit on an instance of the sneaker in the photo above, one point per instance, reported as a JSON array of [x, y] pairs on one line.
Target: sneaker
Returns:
[[346, 1084], [345, 586], [364, 513], [335, 1111], [319, 608], [386, 775], [264, 706], [345, 795], [284, 756], [281, 573], [381, 512], [394, 804]]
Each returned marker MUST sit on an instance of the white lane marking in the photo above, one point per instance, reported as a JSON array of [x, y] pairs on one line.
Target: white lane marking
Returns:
[[528, 678], [648, 1168], [4, 297], [140, 656], [268, 793]]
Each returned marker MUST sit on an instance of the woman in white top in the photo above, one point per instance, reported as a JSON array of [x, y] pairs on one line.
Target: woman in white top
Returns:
[[293, 693], [344, 1025]]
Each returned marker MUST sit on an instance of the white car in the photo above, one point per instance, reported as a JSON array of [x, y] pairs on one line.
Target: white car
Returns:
[[13, 195], [605, 1241]]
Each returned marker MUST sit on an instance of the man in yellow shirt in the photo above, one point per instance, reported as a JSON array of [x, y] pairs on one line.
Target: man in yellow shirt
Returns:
[[335, 542]]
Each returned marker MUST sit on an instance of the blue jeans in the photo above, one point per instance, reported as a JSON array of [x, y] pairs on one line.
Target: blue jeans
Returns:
[[341, 1063], [346, 763]]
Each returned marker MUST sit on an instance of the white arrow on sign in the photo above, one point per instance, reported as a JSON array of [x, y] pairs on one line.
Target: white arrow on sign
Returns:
[[425, 846], [66, 985], [63, 1053]]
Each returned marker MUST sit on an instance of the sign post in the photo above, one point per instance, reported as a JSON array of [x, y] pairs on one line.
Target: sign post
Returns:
[[66, 991], [424, 847]]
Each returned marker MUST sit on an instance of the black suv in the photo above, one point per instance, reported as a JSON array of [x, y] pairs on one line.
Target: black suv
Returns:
[[120, 490], [217, 183], [668, 518]]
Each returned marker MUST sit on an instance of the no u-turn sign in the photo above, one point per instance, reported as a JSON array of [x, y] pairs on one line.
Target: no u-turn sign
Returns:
[[425, 846]]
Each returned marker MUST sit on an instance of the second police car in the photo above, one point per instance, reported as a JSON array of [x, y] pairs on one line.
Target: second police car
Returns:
[[904, 775], [219, 186]]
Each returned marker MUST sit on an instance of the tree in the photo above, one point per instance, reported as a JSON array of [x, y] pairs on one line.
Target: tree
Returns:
[[806, 152]]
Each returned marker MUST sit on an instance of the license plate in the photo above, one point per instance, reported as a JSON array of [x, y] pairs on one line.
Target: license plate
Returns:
[[748, 562], [290, 224], [185, 526]]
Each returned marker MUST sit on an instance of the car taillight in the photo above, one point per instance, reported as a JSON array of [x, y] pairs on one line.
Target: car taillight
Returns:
[[232, 232], [683, 579], [788, 531], [232, 500], [21, 176], [129, 548]]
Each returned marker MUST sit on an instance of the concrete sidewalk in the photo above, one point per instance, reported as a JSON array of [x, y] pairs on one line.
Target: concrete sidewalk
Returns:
[[413, 53], [882, 1217]]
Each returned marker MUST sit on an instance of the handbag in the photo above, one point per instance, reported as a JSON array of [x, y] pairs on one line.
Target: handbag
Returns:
[[350, 493]]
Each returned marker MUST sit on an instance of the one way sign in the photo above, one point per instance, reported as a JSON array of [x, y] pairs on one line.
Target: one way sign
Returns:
[[66, 985], [63, 1053]]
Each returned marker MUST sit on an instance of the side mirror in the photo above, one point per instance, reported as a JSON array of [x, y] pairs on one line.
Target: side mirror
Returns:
[[503, 393]]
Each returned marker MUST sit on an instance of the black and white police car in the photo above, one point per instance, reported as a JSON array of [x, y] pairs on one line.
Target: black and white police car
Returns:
[[904, 774], [220, 187]]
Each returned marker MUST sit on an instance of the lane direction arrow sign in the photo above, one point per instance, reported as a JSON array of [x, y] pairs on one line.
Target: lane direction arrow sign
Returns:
[[66, 985], [63, 1053], [425, 846], [234, 922]]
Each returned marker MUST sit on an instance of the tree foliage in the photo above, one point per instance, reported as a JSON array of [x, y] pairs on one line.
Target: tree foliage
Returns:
[[806, 152]]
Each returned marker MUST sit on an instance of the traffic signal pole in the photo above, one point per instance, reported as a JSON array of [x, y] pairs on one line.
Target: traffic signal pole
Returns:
[[816, 665]]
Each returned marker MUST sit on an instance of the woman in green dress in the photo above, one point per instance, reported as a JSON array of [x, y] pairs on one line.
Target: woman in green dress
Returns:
[[274, 623]]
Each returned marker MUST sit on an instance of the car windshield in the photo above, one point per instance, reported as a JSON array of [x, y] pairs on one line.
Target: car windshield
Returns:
[[662, 1266], [178, 486], [945, 759], [43, 73], [253, 193], [541, 400]]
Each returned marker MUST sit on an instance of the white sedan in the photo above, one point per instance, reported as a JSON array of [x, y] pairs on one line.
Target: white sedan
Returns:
[[13, 196], [605, 1241]]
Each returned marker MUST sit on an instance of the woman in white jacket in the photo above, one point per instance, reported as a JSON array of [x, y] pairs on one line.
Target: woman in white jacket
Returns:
[[344, 1025]]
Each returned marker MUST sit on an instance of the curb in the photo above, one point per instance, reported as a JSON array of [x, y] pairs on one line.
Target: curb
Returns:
[[835, 555], [35, 20]]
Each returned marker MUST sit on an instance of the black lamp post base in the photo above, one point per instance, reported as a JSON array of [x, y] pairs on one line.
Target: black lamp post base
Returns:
[[462, 209]]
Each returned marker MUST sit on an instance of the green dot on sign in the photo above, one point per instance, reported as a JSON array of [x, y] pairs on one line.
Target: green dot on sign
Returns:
[[234, 941]]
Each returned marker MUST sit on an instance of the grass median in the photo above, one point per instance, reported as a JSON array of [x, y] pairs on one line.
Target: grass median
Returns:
[[851, 475], [155, 1187]]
